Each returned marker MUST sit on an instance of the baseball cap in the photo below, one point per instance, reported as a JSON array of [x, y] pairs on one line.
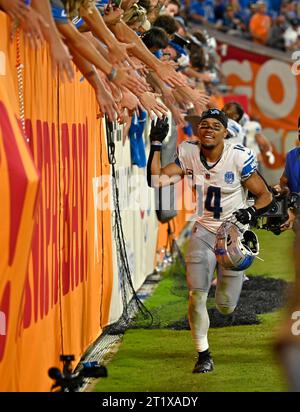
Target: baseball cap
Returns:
[[215, 114]]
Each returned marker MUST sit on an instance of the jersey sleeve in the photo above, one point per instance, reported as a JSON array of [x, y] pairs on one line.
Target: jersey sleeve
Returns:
[[257, 127], [247, 162], [186, 152]]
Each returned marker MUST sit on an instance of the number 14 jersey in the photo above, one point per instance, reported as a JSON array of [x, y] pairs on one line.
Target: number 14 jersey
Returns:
[[223, 190]]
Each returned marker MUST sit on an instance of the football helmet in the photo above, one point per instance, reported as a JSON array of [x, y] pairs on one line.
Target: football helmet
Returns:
[[235, 248]]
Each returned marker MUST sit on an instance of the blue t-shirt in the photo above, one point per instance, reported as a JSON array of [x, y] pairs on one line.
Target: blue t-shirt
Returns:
[[159, 54], [244, 3], [137, 145], [204, 9], [60, 16], [292, 169]]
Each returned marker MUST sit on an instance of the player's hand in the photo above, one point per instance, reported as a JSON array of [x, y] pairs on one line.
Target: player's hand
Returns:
[[159, 130], [246, 216]]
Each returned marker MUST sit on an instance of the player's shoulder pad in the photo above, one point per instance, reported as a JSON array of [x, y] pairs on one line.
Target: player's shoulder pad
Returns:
[[243, 155]]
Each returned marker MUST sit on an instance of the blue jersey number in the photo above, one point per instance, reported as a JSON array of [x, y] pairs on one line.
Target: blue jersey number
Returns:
[[213, 201]]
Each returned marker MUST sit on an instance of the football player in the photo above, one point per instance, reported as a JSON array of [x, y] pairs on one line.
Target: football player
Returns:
[[227, 172], [251, 132]]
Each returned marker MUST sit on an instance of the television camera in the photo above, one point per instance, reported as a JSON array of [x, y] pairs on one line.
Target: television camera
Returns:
[[69, 381], [278, 213]]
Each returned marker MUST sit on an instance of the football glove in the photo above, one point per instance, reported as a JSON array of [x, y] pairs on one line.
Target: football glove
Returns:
[[271, 157], [246, 216], [159, 130]]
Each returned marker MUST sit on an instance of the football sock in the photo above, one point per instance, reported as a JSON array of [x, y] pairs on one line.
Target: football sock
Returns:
[[198, 319]]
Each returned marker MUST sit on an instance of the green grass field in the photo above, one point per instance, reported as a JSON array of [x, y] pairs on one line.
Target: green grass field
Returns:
[[161, 360]]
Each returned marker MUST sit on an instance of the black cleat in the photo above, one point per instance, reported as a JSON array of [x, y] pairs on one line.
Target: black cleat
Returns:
[[204, 366]]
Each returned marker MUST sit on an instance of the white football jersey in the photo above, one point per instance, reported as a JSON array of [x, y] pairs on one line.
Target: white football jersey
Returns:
[[251, 128], [236, 132], [222, 188]]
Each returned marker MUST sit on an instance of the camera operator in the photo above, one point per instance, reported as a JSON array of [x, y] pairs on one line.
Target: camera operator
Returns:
[[287, 343], [290, 183]]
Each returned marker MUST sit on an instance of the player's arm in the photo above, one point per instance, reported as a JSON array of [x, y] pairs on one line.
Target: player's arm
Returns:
[[263, 197], [263, 200], [161, 176], [158, 176], [265, 147]]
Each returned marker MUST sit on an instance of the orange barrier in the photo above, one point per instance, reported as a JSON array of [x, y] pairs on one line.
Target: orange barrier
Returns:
[[62, 301], [59, 280], [18, 188]]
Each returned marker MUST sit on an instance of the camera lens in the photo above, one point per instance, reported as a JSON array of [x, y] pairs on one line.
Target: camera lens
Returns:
[[274, 208]]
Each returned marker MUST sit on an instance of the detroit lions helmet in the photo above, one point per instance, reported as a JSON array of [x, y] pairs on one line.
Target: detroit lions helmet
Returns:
[[235, 249]]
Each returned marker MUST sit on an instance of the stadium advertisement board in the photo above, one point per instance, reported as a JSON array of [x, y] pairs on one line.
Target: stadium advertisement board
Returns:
[[273, 94]]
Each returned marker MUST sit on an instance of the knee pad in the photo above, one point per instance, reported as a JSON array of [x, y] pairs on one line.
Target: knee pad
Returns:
[[225, 310]]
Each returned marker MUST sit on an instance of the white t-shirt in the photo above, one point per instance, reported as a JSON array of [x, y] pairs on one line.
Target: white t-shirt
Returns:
[[221, 183]]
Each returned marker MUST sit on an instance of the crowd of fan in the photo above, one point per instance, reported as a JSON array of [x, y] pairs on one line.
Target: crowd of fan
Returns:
[[131, 53], [274, 23], [139, 57]]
